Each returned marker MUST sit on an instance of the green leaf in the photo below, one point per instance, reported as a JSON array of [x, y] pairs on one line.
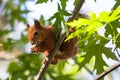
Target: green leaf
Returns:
[[109, 54], [24, 38], [42, 20], [65, 13], [92, 15], [116, 4], [14, 67], [78, 23], [116, 13], [57, 23], [60, 67], [99, 63], [57, 26], [84, 27], [13, 11], [26, 62], [63, 3], [87, 57], [41, 1], [104, 16], [117, 41], [4, 32], [8, 45], [10, 77], [59, 8], [89, 26], [96, 51], [59, 20], [95, 47], [24, 11], [111, 28], [75, 2], [53, 17], [110, 16]]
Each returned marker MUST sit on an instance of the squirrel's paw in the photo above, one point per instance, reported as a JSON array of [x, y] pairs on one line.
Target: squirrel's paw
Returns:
[[54, 61]]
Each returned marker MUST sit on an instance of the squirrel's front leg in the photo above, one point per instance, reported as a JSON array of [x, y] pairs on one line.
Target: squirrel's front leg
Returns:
[[54, 59]]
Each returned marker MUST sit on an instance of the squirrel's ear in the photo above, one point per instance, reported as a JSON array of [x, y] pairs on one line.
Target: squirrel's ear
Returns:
[[37, 24], [28, 26]]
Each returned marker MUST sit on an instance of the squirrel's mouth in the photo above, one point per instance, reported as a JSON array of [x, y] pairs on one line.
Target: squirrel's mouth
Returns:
[[37, 42]]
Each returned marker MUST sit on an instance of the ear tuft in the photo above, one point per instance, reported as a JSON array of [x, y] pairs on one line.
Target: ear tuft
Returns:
[[37, 24], [28, 26]]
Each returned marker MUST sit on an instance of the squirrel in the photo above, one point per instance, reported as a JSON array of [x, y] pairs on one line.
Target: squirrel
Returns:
[[44, 39]]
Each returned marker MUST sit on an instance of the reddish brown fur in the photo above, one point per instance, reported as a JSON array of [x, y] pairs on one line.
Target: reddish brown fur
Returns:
[[45, 41]]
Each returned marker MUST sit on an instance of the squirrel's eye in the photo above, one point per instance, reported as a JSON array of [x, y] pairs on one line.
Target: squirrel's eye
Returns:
[[36, 33]]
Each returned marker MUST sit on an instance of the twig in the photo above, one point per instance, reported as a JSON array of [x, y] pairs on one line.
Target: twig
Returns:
[[107, 71], [59, 42]]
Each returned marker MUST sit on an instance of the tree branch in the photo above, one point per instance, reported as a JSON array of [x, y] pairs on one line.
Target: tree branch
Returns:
[[107, 71], [76, 10], [59, 42]]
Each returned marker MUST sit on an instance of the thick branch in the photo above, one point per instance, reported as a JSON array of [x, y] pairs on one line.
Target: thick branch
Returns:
[[59, 42], [107, 71]]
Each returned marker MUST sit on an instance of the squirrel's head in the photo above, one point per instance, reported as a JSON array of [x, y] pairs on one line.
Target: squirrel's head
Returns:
[[36, 33]]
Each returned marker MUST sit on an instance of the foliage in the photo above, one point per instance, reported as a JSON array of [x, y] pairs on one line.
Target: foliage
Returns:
[[89, 26], [93, 44], [14, 12], [90, 42], [59, 19], [11, 12], [25, 68]]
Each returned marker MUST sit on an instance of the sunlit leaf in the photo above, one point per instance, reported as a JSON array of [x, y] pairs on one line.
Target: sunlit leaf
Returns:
[[110, 16], [92, 15]]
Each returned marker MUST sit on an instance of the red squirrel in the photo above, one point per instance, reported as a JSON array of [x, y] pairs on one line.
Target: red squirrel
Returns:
[[44, 39]]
